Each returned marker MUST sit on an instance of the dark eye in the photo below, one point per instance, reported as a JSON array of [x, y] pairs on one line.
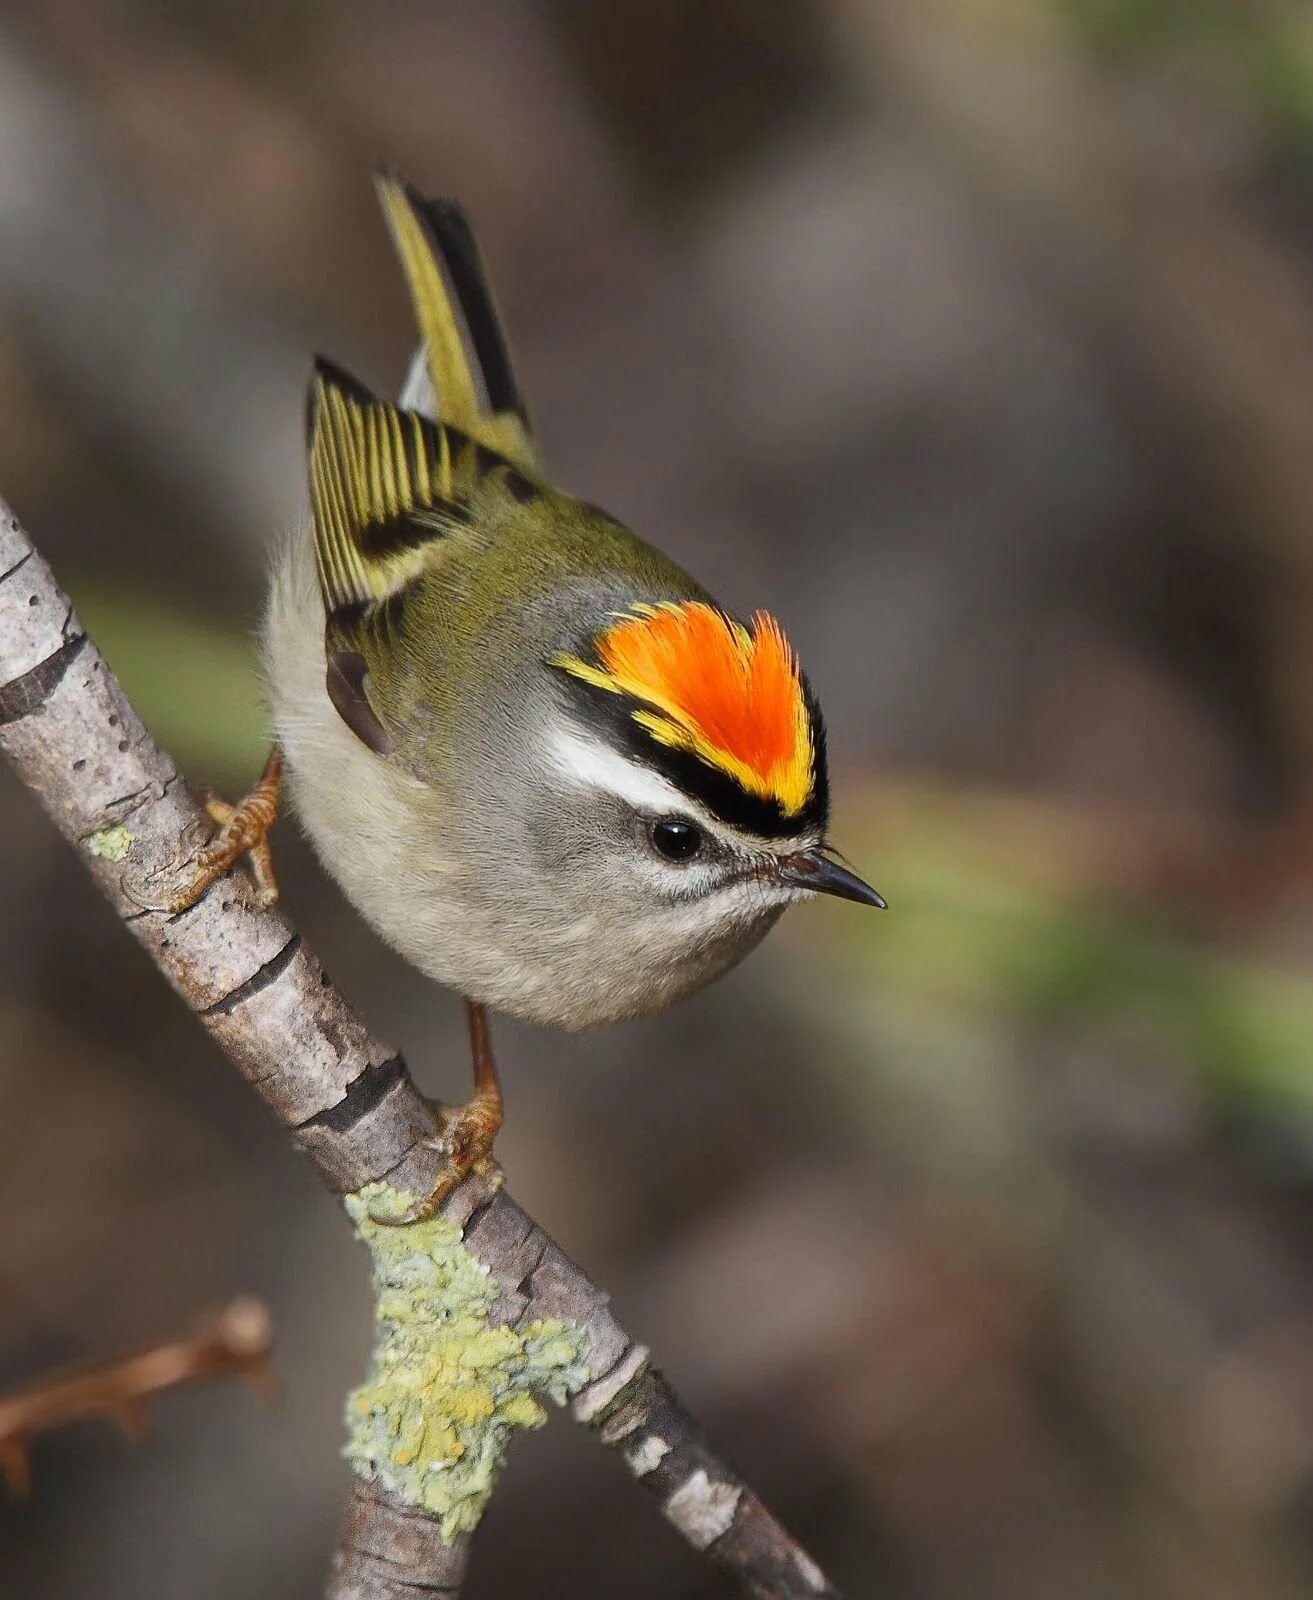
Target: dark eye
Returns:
[[676, 839]]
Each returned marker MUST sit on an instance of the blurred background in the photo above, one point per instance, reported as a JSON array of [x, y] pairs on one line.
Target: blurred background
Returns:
[[975, 338]]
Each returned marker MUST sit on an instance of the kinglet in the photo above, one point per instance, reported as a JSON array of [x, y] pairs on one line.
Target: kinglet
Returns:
[[539, 759]]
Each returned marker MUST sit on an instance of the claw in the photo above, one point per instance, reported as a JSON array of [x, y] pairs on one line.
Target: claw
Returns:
[[243, 831], [468, 1131], [466, 1142]]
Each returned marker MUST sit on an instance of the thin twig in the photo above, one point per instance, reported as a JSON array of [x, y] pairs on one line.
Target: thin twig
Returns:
[[233, 1344], [345, 1096]]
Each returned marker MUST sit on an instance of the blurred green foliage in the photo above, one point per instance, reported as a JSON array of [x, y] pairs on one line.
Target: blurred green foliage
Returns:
[[1261, 50], [1002, 927], [194, 681]]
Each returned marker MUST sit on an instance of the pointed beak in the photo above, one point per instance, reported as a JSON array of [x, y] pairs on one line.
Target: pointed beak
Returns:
[[813, 870]]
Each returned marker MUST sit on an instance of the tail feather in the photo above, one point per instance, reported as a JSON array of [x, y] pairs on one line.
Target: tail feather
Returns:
[[464, 344]]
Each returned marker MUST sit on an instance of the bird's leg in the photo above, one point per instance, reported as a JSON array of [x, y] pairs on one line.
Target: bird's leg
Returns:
[[243, 831], [468, 1130]]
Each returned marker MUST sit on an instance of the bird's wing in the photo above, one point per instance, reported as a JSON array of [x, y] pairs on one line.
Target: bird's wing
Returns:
[[384, 484]]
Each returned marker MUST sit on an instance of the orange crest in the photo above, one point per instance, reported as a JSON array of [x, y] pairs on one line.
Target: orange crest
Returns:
[[731, 695]]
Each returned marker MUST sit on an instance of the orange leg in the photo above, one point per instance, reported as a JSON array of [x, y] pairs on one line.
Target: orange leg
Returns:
[[243, 831], [468, 1130]]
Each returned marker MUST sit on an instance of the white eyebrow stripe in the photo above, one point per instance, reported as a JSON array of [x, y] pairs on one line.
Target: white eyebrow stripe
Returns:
[[593, 764]]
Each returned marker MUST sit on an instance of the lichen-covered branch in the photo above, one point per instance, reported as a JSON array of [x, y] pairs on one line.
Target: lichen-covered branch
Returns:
[[449, 1379], [235, 1343], [349, 1104]]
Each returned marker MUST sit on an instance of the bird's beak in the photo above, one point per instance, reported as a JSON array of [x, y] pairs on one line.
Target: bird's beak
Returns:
[[813, 870]]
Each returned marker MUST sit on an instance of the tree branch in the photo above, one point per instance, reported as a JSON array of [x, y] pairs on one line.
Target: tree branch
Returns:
[[233, 1344], [344, 1095]]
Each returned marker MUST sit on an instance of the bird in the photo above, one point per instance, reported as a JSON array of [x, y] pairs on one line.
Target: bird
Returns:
[[544, 764]]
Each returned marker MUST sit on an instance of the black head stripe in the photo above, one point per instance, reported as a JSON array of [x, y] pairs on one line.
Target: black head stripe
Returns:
[[819, 803], [613, 716]]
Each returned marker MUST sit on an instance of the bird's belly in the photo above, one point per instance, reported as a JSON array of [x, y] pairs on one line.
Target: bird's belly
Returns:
[[571, 972]]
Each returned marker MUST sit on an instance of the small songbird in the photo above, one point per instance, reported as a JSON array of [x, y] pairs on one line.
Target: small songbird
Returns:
[[539, 759]]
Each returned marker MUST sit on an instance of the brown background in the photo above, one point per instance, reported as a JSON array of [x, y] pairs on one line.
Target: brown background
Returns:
[[975, 338]]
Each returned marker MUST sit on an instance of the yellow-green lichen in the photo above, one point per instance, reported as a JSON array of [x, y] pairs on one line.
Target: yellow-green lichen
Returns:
[[432, 1420], [110, 844]]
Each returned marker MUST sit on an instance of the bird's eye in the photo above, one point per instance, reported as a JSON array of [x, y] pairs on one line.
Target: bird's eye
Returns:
[[676, 839]]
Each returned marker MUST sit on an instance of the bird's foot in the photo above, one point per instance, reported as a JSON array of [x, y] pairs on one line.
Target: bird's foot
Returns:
[[243, 831], [466, 1140]]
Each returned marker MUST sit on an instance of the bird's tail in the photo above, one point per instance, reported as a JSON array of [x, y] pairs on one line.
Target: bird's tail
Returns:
[[464, 345]]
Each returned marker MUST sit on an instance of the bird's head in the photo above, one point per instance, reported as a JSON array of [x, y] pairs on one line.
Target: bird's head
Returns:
[[703, 734]]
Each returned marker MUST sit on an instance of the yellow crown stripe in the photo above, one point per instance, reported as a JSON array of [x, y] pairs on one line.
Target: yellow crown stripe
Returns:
[[790, 787], [789, 784], [673, 718], [784, 788]]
